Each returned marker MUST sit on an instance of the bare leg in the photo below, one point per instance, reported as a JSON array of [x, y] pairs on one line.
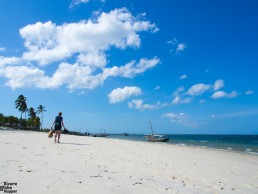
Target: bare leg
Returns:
[[58, 136], [55, 135]]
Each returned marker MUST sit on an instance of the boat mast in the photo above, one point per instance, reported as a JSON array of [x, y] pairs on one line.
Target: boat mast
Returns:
[[151, 129]]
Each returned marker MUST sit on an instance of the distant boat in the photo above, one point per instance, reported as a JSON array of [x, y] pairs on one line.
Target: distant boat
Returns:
[[156, 137], [100, 134], [125, 134]]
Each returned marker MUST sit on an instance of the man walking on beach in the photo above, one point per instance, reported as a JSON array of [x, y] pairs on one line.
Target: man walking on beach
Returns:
[[58, 122]]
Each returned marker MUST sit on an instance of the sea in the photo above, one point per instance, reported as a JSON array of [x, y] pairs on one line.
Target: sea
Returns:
[[236, 143]]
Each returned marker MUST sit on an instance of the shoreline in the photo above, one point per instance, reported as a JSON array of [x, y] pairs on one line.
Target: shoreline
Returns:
[[81, 164], [116, 136]]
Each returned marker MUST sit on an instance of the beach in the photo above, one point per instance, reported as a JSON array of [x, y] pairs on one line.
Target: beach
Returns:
[[33, 163]]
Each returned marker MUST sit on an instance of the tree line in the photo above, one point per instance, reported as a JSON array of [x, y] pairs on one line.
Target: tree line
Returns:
[[32, 122]]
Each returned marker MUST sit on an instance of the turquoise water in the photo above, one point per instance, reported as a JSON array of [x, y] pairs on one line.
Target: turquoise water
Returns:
[[240, 143]]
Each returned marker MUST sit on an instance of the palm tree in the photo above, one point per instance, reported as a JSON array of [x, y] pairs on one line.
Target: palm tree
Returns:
[[32, 113], [21, 104], [41, 109]]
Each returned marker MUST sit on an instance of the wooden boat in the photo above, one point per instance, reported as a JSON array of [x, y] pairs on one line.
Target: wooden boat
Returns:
[[156, 137], [101, 134]]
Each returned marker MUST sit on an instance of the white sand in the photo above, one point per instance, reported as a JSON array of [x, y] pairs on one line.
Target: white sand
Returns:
[[109, 166]]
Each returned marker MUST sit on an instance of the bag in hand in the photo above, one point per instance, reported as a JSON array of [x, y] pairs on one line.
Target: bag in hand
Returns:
[[50, 133]]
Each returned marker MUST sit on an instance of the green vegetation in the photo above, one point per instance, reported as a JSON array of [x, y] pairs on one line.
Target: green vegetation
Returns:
[[33, 122], [41, 109]]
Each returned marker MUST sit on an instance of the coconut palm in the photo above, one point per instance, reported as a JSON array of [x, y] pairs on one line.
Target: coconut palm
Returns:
[[21, 104], [32, 113], [41, 109]]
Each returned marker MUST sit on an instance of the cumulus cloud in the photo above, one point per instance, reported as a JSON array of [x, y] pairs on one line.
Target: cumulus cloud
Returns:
[[21, 76], [182, 96], [9, 61], [198, 89], [74, 76], [138, 104], [222, 94], [131, 69], [84, 45], [47, 42], [120, 94], [218, 84]]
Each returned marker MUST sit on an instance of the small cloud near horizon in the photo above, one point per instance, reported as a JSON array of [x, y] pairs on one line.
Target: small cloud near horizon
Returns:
[[138, 104]]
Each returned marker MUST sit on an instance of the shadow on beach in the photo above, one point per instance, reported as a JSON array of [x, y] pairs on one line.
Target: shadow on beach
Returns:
[[80, 144]]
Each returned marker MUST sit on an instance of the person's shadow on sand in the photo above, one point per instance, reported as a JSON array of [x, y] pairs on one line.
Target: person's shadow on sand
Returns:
[[81, 144]]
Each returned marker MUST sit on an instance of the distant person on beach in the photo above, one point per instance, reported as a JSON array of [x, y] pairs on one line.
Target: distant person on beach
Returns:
[[58, 123]]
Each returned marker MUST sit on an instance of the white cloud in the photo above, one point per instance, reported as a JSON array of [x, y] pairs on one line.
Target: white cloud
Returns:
[[138, 104], [85, 43], [180, 47], [77, 2], [157, 88], [94, 59], [179, 100], [236, 114], [131, 69], [198, 89], [9, 60], [181, 119], [183, 76], [120, 94], [2, 49], [173, 41], [23, 76], [248, 92], [178, 91], [222, 94], [218, 84], [47, 42], [75, 76]]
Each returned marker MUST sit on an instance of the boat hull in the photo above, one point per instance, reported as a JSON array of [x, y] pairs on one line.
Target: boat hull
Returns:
[[157, 139]]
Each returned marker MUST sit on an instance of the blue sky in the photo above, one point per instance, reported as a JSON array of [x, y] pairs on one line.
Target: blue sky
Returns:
[[190, 67]]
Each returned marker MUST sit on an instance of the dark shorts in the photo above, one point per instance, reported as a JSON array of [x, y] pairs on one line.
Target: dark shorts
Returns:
[[58, 128]]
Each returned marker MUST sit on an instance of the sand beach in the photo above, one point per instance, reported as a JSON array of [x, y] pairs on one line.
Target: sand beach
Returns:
[[32, 163]]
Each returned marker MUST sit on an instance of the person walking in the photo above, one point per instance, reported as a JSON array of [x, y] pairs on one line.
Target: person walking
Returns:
[[58, 123]]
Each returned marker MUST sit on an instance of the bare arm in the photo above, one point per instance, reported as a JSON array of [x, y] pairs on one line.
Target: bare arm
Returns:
[[63, 123], [53, 123]]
